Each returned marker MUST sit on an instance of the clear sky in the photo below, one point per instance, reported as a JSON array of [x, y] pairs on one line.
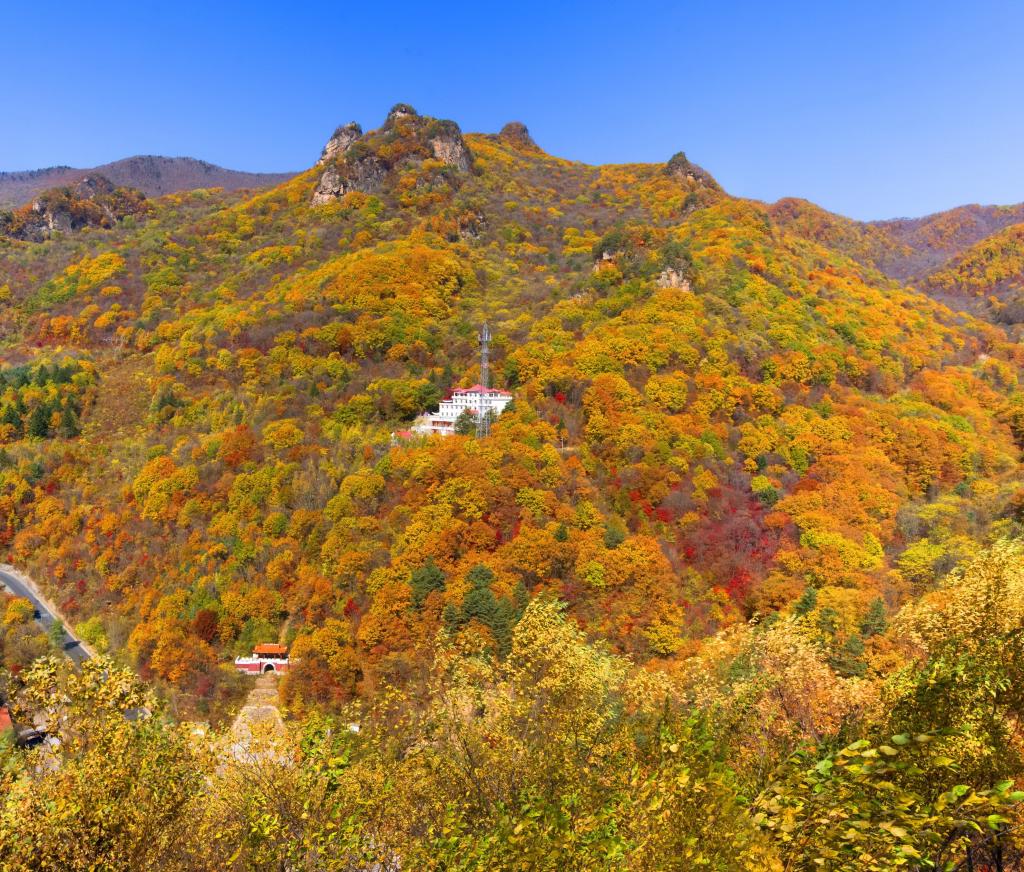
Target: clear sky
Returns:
[[872, 109]]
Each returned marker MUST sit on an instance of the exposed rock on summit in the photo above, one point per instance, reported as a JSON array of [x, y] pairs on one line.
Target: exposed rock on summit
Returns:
[[339, 142], [680, 168], [400, 110], [355, 161], [516, 134]]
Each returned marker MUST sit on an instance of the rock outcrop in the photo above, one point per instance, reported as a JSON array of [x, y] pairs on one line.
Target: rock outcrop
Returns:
[[449, 147], [92, 202], [339, 142], [680, 168], [399, 111], [672, 278], [358, 173], [354, 161], [516, 134]]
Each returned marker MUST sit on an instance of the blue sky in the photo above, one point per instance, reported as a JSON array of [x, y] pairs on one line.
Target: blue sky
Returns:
[[871, 109]]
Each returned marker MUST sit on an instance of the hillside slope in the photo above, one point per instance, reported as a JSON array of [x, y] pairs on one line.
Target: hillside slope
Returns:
[[735, 582], [713, 416]]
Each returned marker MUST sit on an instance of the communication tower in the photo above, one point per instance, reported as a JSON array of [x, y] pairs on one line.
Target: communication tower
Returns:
[[483, 423]]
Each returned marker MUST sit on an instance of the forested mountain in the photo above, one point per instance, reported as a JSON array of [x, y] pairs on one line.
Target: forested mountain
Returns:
[[913, 250], [754, 498], [151, 174]]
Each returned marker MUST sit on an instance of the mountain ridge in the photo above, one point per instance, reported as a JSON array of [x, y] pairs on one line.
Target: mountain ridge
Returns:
[[154, 175]]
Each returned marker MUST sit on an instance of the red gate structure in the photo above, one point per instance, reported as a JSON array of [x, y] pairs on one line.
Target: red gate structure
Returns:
[[266, 657]]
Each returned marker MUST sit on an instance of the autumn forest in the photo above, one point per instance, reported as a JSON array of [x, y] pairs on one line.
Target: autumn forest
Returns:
[[735, 581]]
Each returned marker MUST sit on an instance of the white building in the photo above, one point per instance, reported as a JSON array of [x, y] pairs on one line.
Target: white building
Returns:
[[474, 400]]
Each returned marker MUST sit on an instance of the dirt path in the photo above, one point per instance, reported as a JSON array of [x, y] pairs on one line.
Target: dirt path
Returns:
[[259, 728]]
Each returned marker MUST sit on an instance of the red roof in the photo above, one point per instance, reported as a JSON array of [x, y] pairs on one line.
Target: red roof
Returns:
[[270, 648], [5, 719], [480, 389]]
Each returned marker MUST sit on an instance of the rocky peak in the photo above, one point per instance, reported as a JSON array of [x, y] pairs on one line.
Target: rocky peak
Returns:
[[680, 168], [357, 162], [516, 134], [339, 142], [399, 111]]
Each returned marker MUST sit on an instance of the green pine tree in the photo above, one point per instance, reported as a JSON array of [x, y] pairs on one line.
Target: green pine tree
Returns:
[[424, 580], [874, 621], [614, 536], [10, 416], [55, 634], [69, 427], [807, 602], [848, 660], [452, 619], [39, 421]]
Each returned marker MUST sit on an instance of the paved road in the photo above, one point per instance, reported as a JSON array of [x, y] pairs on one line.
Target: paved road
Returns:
[[72, 647]]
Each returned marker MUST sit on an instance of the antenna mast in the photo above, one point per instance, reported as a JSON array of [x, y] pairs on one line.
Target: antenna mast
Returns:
[[482, 422]]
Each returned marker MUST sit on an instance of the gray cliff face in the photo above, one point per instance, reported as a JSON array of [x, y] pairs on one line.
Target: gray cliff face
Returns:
[[330, 187], [452, 150], [339, 142], [364, 174]]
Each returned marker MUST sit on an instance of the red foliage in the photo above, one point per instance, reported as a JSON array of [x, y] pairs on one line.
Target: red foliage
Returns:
[[205, 624]]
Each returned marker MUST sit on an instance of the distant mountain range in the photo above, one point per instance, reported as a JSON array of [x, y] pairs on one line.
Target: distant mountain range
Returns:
[[151, 174], [967, 252]]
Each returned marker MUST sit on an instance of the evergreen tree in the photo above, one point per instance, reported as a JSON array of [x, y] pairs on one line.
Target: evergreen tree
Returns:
[[848, 660], [42, 376], [424, 580], [828, 621], [39, 421], [874, 621], [614, 536], [452, 620], [807, 602], [69, 427], [55, 633], [522, 599], [11, 416], [480, 603]]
